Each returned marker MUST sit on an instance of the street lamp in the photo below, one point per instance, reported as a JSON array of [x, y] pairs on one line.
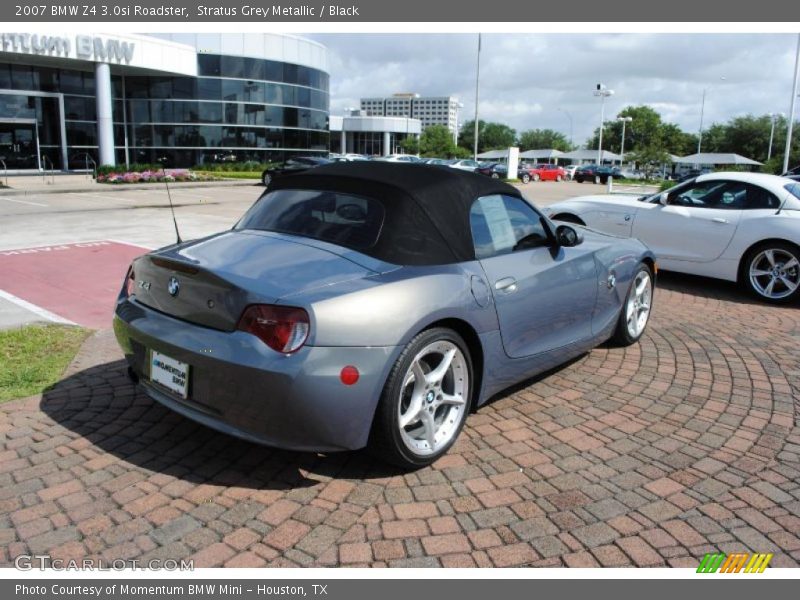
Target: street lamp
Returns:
[[772, 118], [569, 116], [477, 90], [624, 121], [702, 111], [459, 106], [603, 92], [791, 109]]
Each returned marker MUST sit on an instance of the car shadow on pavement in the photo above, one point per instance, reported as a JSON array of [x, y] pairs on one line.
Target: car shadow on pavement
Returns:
[[101, 405], [707, 288]]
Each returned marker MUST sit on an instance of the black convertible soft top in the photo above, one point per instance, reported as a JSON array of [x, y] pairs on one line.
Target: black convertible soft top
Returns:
[[427, 207]]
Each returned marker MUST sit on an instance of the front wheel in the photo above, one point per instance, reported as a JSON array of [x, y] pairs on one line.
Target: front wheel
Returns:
[[266, 178], [559, 178], [537, 177], [495, 176], [525, 178], [635, 313], [425, 401], [771, 272], [597, 179]]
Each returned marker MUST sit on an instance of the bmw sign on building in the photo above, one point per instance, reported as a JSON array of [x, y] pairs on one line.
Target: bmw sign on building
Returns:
[[174, 99]]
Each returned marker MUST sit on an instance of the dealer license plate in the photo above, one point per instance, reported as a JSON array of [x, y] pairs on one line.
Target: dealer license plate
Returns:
[[172, 374]]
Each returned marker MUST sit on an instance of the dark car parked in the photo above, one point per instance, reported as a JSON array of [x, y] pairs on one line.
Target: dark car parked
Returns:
[[293, 165], [596, 173]]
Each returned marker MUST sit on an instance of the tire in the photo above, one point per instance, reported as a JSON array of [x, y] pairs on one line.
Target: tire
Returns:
[[559, 178], [495, 176], [525, 178], [597, 179], [769, 271], [537, 177], [631, 328], [266, 178], [579, 179], [427, 417]]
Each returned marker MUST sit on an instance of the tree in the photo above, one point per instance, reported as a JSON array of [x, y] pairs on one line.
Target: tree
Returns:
[[538, 139], [437, 140], [491, 136], [410, 145], [649, 158]]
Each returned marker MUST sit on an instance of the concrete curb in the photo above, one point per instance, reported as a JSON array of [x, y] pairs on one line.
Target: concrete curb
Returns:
[[126, 187]]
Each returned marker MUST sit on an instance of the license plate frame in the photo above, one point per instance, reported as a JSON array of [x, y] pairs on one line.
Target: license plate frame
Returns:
[[169, 373]]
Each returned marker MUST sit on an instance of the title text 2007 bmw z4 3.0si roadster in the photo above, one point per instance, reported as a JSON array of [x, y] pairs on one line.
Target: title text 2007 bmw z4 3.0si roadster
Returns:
[[373, 304]]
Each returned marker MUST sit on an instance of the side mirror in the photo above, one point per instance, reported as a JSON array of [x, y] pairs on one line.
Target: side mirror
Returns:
[[568, 236], [662, 199]]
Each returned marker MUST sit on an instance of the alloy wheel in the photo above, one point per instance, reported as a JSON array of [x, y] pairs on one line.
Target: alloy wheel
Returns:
[[433, 398], [637, 310], [774, 273]]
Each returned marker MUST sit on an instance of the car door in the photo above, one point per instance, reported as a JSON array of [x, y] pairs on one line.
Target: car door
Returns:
[[696, 224], [544, 294]]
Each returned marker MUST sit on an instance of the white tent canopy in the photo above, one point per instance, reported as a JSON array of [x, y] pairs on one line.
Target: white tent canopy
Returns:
[[591, 155], [542, 154], [716, 158], [493, 154]]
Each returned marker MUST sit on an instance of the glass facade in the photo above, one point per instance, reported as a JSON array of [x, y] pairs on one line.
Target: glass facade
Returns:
[[237, 109]]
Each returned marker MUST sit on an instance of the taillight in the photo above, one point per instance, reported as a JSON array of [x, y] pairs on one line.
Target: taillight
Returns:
[[282, 328], [130, 282]]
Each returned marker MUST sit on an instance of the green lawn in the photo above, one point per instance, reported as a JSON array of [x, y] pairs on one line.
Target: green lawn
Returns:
[[33, 358]]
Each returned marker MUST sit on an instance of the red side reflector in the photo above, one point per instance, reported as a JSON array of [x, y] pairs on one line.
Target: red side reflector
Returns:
[[349, 375]]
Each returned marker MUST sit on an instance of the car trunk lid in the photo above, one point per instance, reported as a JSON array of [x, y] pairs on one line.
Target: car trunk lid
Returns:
[[211, 281]]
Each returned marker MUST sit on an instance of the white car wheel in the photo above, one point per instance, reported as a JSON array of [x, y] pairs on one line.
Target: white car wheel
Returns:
[[772, 272]]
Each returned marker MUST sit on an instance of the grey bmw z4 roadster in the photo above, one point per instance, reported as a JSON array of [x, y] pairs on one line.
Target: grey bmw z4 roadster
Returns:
[[373, 304]]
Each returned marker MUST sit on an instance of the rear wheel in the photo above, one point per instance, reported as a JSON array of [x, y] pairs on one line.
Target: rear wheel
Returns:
[[425, 401], [525, 178], [771, 272], [537, 177], [635, 313], [559, 178], [266, 178], [495, 176], [579, 179], [597, 178]]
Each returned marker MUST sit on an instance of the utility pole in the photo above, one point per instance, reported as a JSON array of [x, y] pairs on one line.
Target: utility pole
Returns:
[[477, 89], [788, 150]]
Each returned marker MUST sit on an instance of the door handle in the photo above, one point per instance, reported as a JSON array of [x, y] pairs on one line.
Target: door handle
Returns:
[[506, 284], [719, 220]]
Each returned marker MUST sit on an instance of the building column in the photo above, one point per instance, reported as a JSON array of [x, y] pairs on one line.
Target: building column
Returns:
[[386, 143], [344, 142], [105, 121]]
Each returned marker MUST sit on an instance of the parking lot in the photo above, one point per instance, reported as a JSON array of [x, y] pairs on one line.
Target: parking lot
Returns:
[[650, 455]]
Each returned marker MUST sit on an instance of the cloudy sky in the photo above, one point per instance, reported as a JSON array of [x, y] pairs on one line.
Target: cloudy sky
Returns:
[[529, 80]]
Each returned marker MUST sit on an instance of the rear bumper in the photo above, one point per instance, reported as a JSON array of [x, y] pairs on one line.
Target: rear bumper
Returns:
[[239, 386]]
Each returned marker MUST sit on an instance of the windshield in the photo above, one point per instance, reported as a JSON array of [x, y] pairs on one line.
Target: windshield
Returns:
[[350, 221], [793, 189]]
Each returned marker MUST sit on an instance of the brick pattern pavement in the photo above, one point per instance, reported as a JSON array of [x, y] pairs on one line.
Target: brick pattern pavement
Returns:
[[648, 456]]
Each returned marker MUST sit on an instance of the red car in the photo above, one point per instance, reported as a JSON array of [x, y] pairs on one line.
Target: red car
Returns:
[[546, 172]]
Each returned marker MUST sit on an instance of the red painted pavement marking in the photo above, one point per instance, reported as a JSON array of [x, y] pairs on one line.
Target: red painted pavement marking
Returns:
[[79, 282]]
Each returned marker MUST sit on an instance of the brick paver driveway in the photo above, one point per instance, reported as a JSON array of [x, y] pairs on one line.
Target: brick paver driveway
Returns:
[[650, 455]]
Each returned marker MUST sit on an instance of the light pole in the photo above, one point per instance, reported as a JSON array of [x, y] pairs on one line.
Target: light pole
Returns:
[[772, 117], [569, 116], [477, 88], [623, 120], [788, 150], [603, 92], [459, 106], [702, 112]]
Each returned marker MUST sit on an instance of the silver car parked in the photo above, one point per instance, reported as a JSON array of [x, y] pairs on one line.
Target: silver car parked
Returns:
[[373, 304]]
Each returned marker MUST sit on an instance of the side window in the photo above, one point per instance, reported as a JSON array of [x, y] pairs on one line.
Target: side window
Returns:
[[700, 195], [504, 224], [758, 197]]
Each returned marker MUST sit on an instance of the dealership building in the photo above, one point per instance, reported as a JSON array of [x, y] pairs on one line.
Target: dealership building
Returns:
[[178, 99]]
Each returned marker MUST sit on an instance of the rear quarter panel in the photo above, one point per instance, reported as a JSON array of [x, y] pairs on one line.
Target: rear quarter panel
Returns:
[[390, 308]]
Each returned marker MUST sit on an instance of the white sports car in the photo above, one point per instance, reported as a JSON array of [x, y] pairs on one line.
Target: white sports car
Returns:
[[741, 227]]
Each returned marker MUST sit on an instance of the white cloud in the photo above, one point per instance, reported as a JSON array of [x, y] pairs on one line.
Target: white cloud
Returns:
[[528, 80]]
